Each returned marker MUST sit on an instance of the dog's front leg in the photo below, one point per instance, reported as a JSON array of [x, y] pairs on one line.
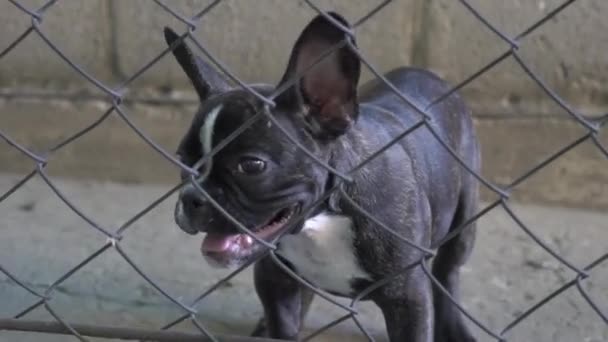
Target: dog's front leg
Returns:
[[407, 306], [285, 301]]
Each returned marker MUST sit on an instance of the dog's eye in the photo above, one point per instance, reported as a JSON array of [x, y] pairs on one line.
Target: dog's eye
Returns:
[[251, 166]]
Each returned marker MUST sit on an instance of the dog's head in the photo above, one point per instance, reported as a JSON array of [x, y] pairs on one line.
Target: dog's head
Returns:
[[261, 178]]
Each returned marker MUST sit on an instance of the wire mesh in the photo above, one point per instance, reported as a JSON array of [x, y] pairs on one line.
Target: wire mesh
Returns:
[[116, 98]]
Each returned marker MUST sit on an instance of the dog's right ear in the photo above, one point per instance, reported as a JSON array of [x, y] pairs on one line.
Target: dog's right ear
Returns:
[[205, 79], [328, 89]]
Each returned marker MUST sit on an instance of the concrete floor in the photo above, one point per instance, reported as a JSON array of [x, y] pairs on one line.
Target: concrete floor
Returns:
[[41, 239]]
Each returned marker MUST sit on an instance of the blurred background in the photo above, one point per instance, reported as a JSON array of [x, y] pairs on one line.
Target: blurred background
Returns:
[[111, 174]]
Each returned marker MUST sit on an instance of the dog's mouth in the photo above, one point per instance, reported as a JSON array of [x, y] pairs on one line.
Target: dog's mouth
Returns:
[[224, 249]]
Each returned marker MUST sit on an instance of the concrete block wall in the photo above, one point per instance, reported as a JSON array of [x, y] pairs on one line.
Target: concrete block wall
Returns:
[[568, 52], [42, 99], [81, 29]]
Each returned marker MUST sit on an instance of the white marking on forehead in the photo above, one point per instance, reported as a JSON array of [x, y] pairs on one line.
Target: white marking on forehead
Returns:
[[206, 132], [205, 136], [265, 85]]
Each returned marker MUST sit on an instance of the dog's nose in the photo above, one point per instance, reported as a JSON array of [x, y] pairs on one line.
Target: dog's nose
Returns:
[[192, 200]]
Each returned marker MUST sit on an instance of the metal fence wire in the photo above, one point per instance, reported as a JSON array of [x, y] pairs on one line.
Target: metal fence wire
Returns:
[[116, 235]]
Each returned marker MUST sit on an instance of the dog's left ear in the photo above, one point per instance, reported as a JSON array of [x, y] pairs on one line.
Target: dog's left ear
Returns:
[[205, 79], [328, 90]]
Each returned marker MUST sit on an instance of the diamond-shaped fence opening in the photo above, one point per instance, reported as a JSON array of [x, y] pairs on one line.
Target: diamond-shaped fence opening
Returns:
[[115, 102]]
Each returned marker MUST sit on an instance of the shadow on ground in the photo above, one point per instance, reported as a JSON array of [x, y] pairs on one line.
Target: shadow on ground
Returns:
[[41, 239]]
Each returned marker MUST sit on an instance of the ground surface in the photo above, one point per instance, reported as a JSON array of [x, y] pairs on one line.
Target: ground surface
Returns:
[[41, 239]]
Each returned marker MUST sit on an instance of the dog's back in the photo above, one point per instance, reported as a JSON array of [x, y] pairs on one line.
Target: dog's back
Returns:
[[437, 171]]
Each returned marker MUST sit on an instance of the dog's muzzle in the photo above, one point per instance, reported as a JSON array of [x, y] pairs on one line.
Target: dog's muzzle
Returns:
[[188, 209]]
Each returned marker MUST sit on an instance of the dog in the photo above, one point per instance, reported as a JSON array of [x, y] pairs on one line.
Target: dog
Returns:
[[264, 180]]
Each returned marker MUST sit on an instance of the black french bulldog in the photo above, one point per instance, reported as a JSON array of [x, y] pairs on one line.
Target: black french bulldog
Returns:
[[263, 180]]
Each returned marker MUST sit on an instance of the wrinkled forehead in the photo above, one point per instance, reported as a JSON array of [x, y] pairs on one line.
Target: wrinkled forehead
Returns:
[[230, 112]]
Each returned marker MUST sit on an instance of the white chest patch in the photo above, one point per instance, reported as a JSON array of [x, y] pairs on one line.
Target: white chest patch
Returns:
[[323, 253]]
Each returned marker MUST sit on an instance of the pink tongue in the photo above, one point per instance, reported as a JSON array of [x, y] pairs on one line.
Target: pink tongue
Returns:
[[217, 242]]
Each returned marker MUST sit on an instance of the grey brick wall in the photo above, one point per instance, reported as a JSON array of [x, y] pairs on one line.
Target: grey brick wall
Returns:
[[42, 99]]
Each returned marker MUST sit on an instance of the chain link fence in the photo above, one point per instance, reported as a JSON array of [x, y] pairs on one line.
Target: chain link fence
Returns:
[[115, 235]]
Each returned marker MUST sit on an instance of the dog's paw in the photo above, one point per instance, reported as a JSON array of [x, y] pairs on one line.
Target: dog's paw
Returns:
[[260, 329], [455, 336]]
